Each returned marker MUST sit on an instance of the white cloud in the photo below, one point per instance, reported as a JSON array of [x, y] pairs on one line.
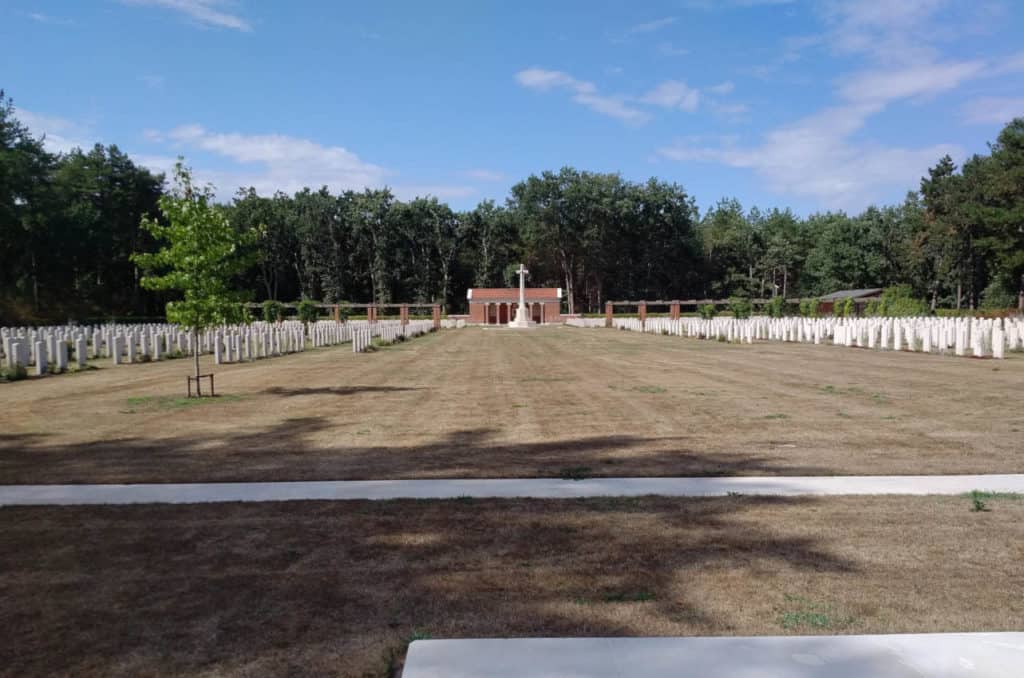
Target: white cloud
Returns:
[[49, 19], [280, 162], [673, 94], [153, 81], [584, 93], [204, 12], [61, 135], [994, 110], [651, 26], [275, 162], [885, 85], [731, 110], [826, 156], [817, 158], [722, 87], [485, 175]]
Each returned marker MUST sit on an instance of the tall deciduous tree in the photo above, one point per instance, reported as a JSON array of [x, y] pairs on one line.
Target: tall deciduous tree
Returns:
[[199, 256]]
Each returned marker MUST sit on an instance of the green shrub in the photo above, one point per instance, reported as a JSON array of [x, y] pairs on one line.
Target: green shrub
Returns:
[[707, 311], [14, 373], [273, 311], [308, 311], [810, 308], [740, 307], [997, 297], [775, 308], [898, 301], [849, 308]]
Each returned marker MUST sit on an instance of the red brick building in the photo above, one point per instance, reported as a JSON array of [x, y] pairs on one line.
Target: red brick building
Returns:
[[497, 305]]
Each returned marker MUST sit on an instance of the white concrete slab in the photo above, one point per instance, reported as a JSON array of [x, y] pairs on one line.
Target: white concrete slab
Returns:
[[943, 655], [187, 493]]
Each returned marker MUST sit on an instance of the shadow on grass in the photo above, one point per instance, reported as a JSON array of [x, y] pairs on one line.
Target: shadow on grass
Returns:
[[337, 390], [323, 587], [286, 451]]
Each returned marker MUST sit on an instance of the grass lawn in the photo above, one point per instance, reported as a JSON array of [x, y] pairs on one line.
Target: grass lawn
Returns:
[[552, 402], [340, 588]]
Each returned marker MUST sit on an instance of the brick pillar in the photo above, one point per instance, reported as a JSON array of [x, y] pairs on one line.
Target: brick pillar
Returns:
[[643, 314], [403, 314], [608, 311], [337, 314], [436, 309], [673, 310]]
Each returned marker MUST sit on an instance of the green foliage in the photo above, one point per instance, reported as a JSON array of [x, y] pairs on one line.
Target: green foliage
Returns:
[[707, 311], [775, 308], [200, 255], [897, 301], [844, 308], [809, 308], [68, 223], [273, 311], [997, 296], [13, 373], [978, 504], [740, 307], [308, 311]]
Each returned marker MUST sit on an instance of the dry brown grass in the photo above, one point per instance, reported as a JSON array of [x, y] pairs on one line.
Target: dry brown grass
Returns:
[[492, 403], [339, 588]]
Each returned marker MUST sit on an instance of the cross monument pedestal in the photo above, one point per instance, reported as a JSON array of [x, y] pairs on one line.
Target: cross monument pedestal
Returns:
[[522, 320]]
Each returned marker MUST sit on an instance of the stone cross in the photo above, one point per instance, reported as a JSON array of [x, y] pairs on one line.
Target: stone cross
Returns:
[[522, 285]]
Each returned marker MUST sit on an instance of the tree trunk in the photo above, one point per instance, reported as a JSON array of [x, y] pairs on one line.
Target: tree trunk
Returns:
[[959, 294], [1020, 295]]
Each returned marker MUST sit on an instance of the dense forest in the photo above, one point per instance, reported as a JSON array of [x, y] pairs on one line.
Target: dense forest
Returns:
[[69, 223]]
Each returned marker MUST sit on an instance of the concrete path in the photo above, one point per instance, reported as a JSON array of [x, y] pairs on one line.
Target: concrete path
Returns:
[[189, 493], [941, 655]]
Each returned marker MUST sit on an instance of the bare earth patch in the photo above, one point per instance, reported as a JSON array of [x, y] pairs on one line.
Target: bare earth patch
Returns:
[[340, 588], [495, 403]]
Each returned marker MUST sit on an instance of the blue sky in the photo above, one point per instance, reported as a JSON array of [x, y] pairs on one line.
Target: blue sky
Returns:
[[811, 105]]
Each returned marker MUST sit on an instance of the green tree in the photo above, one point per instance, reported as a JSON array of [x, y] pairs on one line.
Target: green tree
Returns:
[[199, 256]]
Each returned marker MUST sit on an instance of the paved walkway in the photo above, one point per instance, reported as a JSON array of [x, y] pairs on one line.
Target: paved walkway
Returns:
[[941, 655], [190, 493]]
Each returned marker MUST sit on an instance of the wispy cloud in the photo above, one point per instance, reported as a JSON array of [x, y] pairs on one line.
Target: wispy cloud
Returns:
[[271, 162], [49, 19], [485, 175], [673, 94], [61, 134], [887, 84], [209, 13], [816, 158], [827, 156], [277, 162], [722, 88], [993, 110], [651, 26], [583, 93], [669, 50]]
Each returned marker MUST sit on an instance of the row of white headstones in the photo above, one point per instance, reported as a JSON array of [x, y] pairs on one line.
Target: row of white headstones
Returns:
[[978, 337], [51, 347]]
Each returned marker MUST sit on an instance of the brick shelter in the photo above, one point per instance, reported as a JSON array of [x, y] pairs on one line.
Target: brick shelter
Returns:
[[497, 305]]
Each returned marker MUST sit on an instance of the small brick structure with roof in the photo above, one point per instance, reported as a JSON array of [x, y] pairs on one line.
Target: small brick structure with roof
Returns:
[[497, 305], [860, 297]]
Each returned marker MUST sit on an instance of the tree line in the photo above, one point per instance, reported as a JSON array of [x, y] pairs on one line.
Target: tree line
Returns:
[[70, 222]]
